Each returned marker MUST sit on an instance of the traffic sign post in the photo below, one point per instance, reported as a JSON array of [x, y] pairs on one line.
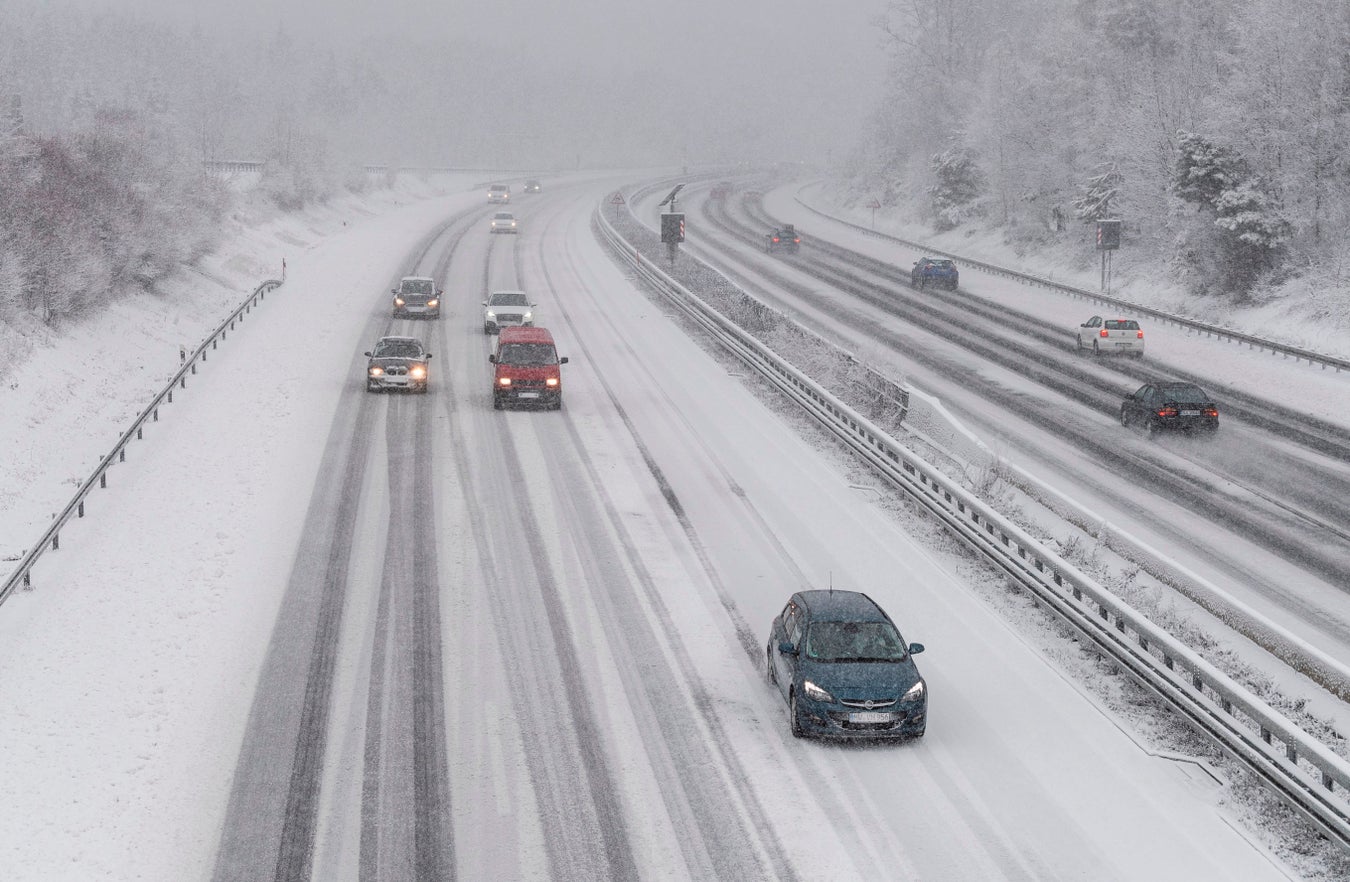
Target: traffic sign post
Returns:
[[1108, 240], [874, 205]]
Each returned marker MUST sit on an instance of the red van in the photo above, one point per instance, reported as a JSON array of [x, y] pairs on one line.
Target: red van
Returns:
[[527, 368]]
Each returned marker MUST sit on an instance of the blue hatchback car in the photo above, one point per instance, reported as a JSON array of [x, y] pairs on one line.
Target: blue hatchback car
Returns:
[[844, 670], [940, 271]]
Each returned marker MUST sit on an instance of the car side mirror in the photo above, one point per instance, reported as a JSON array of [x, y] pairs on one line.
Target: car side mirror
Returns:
[[563, 360], [428, 355], [492, 359], [367, 355], [440, 291], [485, 303], [787, 648], [915, 648], [393, 290]]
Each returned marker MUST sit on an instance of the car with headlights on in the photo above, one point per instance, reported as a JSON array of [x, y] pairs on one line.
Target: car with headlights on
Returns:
[[1119, 335], [499, 193], [1170, 406], [507, 309], [843, 669], [417, 297], [397, 363], [532, 186], [503, 222]]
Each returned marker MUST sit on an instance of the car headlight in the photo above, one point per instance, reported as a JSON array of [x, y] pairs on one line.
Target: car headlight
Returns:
[[815, 692], [490, 314], [527, 317], [433, 302], [418, 372], [398, 301], [376, 371], [504, 381], [551, 381], [916, 692]]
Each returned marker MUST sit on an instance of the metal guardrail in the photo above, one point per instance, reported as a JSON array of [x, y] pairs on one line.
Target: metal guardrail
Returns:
[[233, 166], [51, 539], [1300, 770], [1252, 341]]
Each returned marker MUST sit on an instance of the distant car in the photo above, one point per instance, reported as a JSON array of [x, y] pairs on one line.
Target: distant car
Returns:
[[503, 222], [507, 309], [844, 670], [938, 271], [1170, 406], [417, 296], [499, 193], [720, 190], [1119, 335], [531, 186], [397, 363], [784, 238]]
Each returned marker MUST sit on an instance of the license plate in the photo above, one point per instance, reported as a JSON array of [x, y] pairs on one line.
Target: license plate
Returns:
[[1190, 413], [869, 717], [529, 395]]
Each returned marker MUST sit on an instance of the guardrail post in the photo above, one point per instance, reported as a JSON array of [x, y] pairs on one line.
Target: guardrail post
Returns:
[[81, 509], [194, 367], [1291, 753], [103, 481], [182, 382], [140, 433], [170, 401], [56, 542], [122, 455], [27, 582], [157, 409]]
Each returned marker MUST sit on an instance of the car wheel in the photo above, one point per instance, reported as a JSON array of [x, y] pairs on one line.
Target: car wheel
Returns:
[[1153, 428], [557, 404], [1078, 342], [1096, 350], [768, 666], [795, 717], [497, 402], [1124, 417]]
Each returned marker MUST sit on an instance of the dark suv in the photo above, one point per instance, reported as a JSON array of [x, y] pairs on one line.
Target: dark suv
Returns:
[[940, 271], [844, 670], [784, 238], [1170, 406], [417, 297]]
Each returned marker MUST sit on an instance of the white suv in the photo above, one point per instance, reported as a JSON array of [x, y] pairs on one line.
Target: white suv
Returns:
[[507, 309], [499, 193]]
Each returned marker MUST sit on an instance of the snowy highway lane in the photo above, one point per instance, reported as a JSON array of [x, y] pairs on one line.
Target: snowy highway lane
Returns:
[[440, 641]]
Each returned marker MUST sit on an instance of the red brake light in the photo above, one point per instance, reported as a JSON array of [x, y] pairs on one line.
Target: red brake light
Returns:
[[1139, 333], [1167, 411], [797, 241], [1104, 333], [775, 238], [1212, 412]]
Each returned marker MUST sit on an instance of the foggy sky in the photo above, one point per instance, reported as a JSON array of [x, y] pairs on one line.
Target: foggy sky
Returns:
[[825, 56]]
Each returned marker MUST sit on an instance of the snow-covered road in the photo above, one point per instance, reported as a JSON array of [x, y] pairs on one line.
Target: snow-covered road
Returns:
[[414, 638]]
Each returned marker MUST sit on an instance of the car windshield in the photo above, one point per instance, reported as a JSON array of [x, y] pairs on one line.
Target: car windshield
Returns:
[[502, 215], [398, 349], [1122, 325], [527, 353], [417, 286], [509, 298], [854, 642], [941, 264], [1185, 394]]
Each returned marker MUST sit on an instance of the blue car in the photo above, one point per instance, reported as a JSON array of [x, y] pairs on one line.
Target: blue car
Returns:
[[844, 670], [938, 271]]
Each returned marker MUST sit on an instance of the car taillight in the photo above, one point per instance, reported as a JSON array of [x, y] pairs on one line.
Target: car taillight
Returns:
[[504, 381], [1105, 333], [1139, 333], [797, 241], [1212, 412], [1167, 411], [775, 238]]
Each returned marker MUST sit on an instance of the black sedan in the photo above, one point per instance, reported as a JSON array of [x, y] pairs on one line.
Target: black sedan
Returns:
[[1170, 406]]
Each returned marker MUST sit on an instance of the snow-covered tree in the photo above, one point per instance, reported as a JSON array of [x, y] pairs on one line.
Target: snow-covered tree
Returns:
[[958, 184]]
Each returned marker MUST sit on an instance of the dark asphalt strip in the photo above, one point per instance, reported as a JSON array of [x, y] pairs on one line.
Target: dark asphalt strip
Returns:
[[433, 845], [269, 829]]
